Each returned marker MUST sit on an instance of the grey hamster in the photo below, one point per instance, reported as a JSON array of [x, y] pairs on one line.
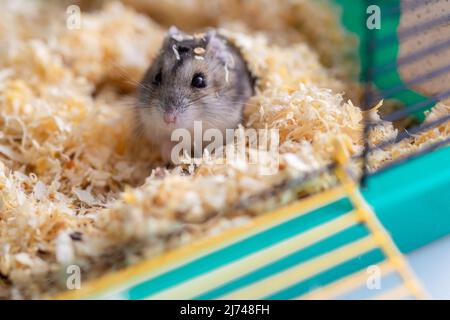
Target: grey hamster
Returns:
[[198, 77]]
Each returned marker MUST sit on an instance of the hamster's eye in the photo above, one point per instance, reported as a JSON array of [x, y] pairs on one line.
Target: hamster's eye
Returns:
[[158, 78], [198, 81], [183, 49]]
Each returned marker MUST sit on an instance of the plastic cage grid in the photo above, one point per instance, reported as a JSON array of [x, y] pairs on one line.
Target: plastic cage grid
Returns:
[[374, 73]]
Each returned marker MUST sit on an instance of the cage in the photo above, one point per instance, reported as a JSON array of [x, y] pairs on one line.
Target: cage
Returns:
[[330, 244]]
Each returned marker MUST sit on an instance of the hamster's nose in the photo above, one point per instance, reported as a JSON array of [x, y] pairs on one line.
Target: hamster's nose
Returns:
[[169, 118]]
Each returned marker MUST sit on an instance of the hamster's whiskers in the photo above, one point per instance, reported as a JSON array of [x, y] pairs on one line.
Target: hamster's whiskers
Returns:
[[123, 73]]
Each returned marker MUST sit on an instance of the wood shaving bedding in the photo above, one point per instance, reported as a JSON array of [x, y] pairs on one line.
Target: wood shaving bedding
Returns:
[[76, 187]]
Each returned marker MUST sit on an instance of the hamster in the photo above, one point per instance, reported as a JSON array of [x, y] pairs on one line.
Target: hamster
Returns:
[[199, 77]]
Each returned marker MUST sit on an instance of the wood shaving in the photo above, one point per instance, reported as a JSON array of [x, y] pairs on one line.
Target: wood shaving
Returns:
[[199, 51], [175, 51]]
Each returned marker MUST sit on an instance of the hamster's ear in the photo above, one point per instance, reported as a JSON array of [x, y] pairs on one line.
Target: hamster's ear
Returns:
[[217, 47], [171, 33], [173, 30], [210, 33]]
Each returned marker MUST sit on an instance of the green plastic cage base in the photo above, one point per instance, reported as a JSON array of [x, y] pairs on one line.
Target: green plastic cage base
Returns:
[[412, 200]]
